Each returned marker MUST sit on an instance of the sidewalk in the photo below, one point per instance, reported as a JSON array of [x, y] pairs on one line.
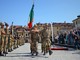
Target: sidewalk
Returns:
[[23, 53]]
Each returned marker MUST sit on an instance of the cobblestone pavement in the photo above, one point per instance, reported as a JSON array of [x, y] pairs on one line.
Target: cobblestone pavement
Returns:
[[23, 53]]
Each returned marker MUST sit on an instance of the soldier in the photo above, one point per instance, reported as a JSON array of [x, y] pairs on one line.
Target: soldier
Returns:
[[10, 42], [2, 33], [46, 43], [16, 41], [20, 39], [34, 40], [6, 39]]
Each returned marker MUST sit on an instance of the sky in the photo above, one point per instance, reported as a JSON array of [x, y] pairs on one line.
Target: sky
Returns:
[[45, 11]]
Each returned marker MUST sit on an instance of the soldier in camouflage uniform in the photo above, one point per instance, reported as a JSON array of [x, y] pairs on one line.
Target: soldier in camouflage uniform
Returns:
[[6, 39], [2, 34], [10, 42], [46, 43], [16, 41], [34, 40], [20, 40]]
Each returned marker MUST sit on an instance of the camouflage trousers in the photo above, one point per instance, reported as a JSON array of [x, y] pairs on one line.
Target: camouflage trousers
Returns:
[[2, 44], [6, 44], [20, 42], [10, 44], [15, 44], [34, 47], [48, 45], [45, 46]]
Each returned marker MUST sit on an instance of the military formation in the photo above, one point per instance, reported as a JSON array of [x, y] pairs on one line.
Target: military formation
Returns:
[[8, 41]]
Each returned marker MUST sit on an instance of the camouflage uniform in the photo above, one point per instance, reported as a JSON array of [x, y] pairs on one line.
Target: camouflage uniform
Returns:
[[6, 39], [20, 40], [16, 41], [2, 34], [34, 41], [0, 43], [10, 42], [46, 43]]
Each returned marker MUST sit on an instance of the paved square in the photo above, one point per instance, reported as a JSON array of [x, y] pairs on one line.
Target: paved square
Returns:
[[23, 53]]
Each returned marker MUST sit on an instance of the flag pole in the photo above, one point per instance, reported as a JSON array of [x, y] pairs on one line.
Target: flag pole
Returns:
[[52, 32], [12, 29], [29, 23]]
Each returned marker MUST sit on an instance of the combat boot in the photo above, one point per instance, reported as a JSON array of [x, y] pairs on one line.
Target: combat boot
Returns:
[[36, 53], [1, 54], [50, 52], [5, 51], [44, 53], [9, 50], [32, 53]]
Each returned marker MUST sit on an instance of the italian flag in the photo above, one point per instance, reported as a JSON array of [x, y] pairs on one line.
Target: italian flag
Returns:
[[31, 15]]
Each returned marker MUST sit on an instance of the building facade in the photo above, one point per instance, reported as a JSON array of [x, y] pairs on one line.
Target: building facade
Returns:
[[76, 22], [57, 27]]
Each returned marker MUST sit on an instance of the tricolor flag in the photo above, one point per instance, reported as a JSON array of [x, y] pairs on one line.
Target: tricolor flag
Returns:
[[31, 15]]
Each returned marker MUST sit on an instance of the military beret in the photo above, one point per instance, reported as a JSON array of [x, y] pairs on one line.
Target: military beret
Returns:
[[1, 24], [6, 24]]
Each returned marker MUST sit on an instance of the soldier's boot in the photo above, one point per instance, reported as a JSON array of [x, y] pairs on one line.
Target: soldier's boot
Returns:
[[1, 54], [17, 46], [31, 50], [44, 53], [5, 52], [32, 53], [42, 50], [36, 53], [9, 50], [50, 52]]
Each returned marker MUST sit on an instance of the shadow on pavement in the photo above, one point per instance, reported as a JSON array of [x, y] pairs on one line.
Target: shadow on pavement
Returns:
[[19, 53], [25, 55]]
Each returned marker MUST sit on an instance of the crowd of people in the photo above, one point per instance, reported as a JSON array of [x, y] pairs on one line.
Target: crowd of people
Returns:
[[69, 38]]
